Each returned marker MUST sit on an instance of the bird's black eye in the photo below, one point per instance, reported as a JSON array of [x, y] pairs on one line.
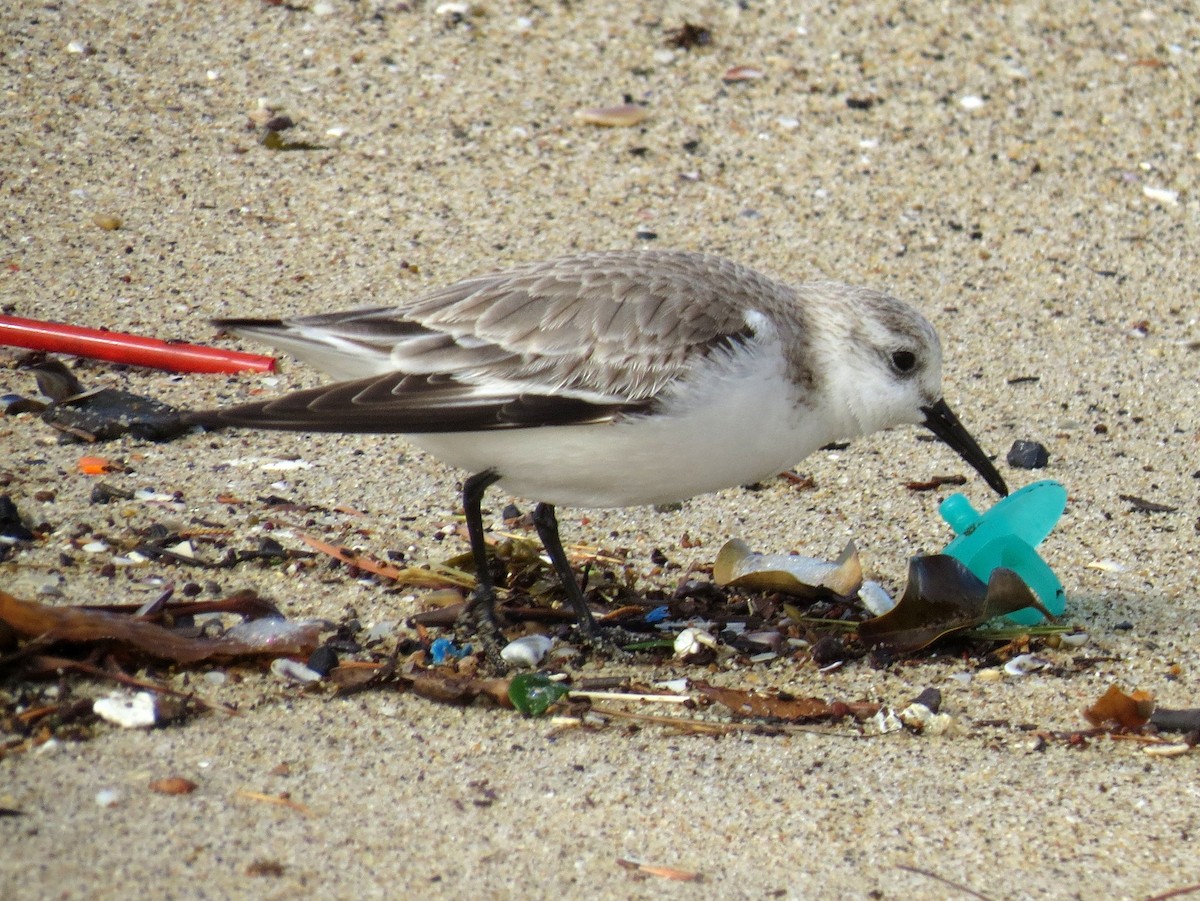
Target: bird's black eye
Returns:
[[904, 361]]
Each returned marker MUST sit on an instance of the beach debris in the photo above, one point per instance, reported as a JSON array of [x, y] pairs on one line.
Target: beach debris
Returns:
[[782, 705], [971, 102], [1168, 720], [107, 222], [1163, 196], [1141, 505], [935, 482], [663, 872], [173, 785], [739, 567], [526, 651], [689, 35], [1025, 664], [108, 797], [100, 414], [12, 529], [1128, 711], [742, 73], [1028, 455], [875, 598], [136, 711], [1137, 712], [923, 715], [624, 115], [534, 693], [293, 671], [13, 404], [432, 576], [692, 641], [1008, 535], [118, 347], [943, 596], [444, 650], [51, 625], [1072, 639]]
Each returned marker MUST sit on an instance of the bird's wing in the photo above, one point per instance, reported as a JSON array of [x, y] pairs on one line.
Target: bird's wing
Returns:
[[577, 339]]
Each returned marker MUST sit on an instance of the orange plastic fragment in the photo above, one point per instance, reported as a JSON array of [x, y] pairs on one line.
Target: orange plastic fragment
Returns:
[[95, 466]]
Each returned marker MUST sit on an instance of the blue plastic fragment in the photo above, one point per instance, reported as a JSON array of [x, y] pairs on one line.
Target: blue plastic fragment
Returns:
[[442, 650], [658, 614], [1008, 535]]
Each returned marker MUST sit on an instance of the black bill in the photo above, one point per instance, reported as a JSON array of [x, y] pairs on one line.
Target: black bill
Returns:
[[940, 420]]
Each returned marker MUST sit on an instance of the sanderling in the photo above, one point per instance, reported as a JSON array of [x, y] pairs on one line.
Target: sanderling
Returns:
[[613, 379]]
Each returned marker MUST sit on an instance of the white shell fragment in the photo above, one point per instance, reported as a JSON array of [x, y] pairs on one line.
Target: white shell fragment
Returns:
[[108, 797], [692, 641], [136, 712], [971, 102], [1108, 566], [1177, 749], [743, 73], [1161, 195], [791, 574], [623, 116], [292, 671], [919, 718], [875, 599], [886, 720], [1024, 664], [1074, 640], [527, 650]]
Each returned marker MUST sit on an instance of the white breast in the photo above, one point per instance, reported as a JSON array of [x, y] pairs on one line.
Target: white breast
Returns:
[[736, 420]]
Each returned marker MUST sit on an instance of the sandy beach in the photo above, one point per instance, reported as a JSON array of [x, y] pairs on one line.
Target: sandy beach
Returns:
[[1025, 174]]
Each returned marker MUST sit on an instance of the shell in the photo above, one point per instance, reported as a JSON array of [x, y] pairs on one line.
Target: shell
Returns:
[[527, 650], [792, 574], [623, 116], [136, 712]]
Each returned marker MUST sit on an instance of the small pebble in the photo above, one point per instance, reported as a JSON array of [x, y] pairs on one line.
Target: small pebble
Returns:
[[1028, 455], [971, 102], [323, 660], [107, 222], [108, 797]]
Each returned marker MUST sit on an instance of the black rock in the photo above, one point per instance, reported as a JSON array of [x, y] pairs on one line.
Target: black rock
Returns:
[[1028, 455]]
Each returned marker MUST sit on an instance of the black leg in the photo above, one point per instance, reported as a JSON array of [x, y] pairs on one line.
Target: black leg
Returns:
[[546, 524], [481, 608]]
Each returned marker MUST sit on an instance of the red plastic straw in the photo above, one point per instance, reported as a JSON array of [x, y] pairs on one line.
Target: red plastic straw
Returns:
[[57, 337]]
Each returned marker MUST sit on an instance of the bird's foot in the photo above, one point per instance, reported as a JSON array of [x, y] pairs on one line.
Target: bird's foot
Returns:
[[608, 640]]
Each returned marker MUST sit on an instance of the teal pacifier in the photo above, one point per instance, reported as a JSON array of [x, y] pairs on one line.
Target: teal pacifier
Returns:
[[1008, 535]]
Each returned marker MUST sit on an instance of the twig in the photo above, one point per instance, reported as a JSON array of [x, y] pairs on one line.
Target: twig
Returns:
[[689, 724], [629, 696], [281, 800]]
